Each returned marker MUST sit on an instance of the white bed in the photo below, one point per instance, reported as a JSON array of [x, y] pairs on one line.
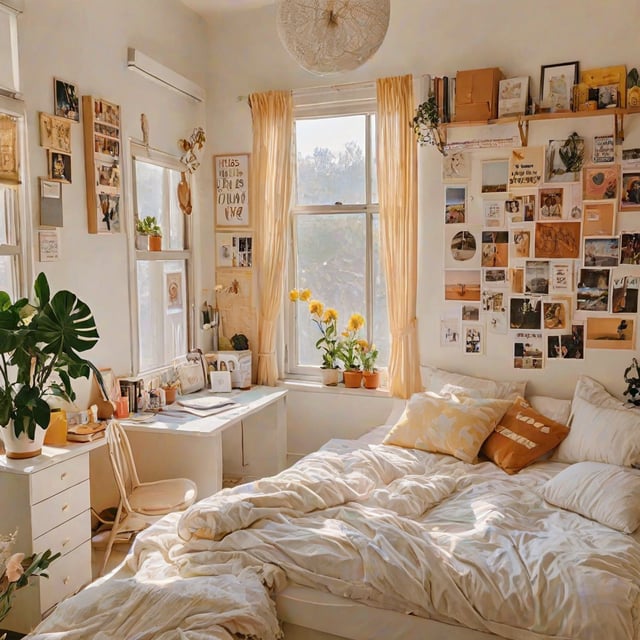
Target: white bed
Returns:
[[365, 540]]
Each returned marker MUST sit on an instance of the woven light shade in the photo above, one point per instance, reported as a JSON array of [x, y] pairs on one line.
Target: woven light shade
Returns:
[[331, 36]]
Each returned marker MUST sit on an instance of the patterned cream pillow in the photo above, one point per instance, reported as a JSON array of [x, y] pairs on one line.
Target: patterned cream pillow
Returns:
[[449, 423]]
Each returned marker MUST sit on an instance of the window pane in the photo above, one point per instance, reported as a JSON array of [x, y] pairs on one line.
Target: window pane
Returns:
[[331, 261], [380, 321], [162, 311], [330, 160], [374, 162], [8, 270], [8, 215]]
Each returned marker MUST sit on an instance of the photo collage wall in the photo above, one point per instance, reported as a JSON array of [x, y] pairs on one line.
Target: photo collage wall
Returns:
[[543, 262]]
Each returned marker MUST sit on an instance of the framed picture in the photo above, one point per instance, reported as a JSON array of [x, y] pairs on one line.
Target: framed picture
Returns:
[[513, 95], [9, 146], [231, 180], [55, 133], [611, 333], [66, 100], [567, 346], [495, 175], [59, 166], [600, 183], [525, 313], [557, 240], [600, 82], [455, 200], [601, 251], [630, 191], [556, 85], [599, 218]]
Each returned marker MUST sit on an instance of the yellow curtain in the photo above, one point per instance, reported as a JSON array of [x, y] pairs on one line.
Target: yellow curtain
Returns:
[[270, 190], [398, 195]]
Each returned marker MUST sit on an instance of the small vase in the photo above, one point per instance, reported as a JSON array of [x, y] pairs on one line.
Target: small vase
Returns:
[[22, 446], [352, 378], [330, 377], [371, 379], [155, 243]]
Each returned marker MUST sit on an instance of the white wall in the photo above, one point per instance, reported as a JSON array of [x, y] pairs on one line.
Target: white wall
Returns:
[[440, 37], [85, 42]]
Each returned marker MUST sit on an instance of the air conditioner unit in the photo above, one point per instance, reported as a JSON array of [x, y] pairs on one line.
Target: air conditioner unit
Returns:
[[138, 61]]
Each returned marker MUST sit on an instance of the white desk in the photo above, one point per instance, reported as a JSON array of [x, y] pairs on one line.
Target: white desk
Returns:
[[184, 445]]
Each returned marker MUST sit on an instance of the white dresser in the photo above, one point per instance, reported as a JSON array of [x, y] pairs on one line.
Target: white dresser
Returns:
[[47, 499]]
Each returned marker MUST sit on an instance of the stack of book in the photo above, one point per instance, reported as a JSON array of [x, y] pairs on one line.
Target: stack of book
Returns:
[[86, 432], [443, 88]]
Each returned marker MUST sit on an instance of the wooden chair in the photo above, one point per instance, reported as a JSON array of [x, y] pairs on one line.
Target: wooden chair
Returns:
[[141, 503]]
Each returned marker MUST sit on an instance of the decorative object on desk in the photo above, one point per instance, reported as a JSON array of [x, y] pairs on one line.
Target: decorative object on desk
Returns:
[[38, 340], [240, 342], [192, 373], [426, 125], [220, 381], [56, 432], [86, 432], [632, 379], [332, 36], [556, 86], [16, 569]]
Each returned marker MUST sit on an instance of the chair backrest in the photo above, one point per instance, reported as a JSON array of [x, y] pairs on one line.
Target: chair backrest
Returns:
[[122, 463]]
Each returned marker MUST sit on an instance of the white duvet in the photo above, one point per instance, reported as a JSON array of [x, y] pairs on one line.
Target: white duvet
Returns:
[[397, 528]]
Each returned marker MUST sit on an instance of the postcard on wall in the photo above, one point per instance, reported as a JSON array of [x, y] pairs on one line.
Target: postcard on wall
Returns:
[[536, 277], [604, 150], [462, 284], [560, 240], [560, 277], [526, 167], [631, 158], [630, 191], [624, 294], [520, 243], [567, 346], [526, 206], [556, 314], [525, 313], [493, 213], [528, 350], [108, 213], [497, 321], [611, 333], [495, 277], [600, 183], [66, 100], [455, 201], [630, 248], [456, 167], [48, 245], [495, 175], [551, 203], [599, 218], [601, 251], [462, 247], [470, 313], [231, 179], [495, 249], [493, 300], [513, 96], [516, 278], [593, 290], [564, 159], [473, 339], [234, 249], [449, 331], [55, 133]]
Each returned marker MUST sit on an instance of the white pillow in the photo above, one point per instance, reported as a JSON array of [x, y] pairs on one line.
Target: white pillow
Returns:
[[601, 434], [435, 379], [605, 493], [591, 390], [556, 409]]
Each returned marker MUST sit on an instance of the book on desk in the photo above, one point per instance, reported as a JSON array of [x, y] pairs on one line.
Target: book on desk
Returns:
[[86, 432]]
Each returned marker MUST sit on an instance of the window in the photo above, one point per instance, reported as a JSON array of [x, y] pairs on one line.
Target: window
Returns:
[[335, 231], [163, 289]]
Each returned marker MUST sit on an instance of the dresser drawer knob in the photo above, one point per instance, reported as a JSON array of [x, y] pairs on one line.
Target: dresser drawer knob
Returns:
[[65, 507], [66, 541], [66, 580], [63, 475]]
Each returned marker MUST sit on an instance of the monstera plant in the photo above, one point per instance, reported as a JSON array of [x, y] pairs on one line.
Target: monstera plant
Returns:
[[40, 343]]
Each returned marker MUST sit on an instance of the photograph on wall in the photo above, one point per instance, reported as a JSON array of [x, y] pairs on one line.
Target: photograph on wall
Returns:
[[449, 332], [108, 213], [600, 182], [631, 158], [559, 240], [55, 133], [528, 350], [536, 277], [630, 191], [516, 278], [513, 211], [599, 218], [462, 247], [462, 284], [495, 277], [527, 206], [520, 243], [455, 201], [473, 336], [59, 166], [497, 321], [564, 159], [567, 346], [494, 213], [601, 251], [604, 150], [610, 333], [556, 314], [525, 313], [470, 312], [495, 174], [526, 167], [495, 248], [66, 100], [560, 277], [551, 200], [624, 294], [630, 248], [456, 167], [493, 300], [593, 290]]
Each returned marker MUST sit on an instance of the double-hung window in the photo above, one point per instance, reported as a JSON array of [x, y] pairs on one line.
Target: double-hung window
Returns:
[[335, 227], [162, 278]]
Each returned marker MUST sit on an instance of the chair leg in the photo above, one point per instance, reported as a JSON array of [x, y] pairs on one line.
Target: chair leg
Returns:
[[112, 537]]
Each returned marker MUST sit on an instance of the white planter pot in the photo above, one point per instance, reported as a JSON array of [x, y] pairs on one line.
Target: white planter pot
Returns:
[[330, 377], [142, 242], [22, 446]]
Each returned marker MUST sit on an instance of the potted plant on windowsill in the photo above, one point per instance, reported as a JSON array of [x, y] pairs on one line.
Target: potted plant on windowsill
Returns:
[[350, 350], [368, 357], [39, 345], [328, 343], [148, 234]]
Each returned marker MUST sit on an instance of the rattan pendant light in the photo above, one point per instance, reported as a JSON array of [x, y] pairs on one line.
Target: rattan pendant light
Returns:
[[331, 36]]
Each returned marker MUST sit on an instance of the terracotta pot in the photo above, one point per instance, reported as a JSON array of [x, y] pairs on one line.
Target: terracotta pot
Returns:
[[155, 243], [371, 379], [330, 377], [22, 446], [352, 378], [170, 394]]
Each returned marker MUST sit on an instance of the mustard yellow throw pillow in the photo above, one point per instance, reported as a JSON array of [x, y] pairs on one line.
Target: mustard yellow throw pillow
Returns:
[[454, 424]]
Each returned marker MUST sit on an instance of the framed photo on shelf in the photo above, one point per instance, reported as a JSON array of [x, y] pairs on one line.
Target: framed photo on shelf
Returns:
[[556, 85], [600, 81], [513, 95], [66, 100], [231, 180]]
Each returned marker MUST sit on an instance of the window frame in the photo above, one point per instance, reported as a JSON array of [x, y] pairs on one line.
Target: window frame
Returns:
[[370, 209], [140, 152]]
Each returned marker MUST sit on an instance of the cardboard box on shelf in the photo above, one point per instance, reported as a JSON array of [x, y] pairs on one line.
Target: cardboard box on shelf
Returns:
[[477, 94]]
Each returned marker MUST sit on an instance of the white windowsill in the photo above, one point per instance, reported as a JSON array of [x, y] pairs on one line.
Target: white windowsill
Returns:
[[314, 386]]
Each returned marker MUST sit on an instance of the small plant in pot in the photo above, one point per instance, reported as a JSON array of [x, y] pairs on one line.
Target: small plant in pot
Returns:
[[149, 234], [40, 343], [368, 357], [349, 351]]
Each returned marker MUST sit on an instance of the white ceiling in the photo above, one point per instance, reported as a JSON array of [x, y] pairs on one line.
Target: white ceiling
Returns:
[[208, 7]]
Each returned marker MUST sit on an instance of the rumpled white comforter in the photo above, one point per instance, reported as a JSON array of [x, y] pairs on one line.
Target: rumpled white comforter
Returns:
[[397, 528]]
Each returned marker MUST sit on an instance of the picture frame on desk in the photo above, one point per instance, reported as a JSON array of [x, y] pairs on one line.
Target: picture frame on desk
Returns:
[[556, 86]]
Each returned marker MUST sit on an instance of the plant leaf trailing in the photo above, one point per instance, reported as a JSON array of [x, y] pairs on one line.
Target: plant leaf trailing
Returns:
[[426, 124], [632, 378], [572, 153]]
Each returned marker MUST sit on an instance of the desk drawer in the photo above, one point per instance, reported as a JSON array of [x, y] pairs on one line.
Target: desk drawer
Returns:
[[48, 514], [67, 536], [67, 575], [59, 477]]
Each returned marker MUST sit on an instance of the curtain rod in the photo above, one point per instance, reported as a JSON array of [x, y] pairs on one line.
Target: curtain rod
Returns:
[[349, 86]]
